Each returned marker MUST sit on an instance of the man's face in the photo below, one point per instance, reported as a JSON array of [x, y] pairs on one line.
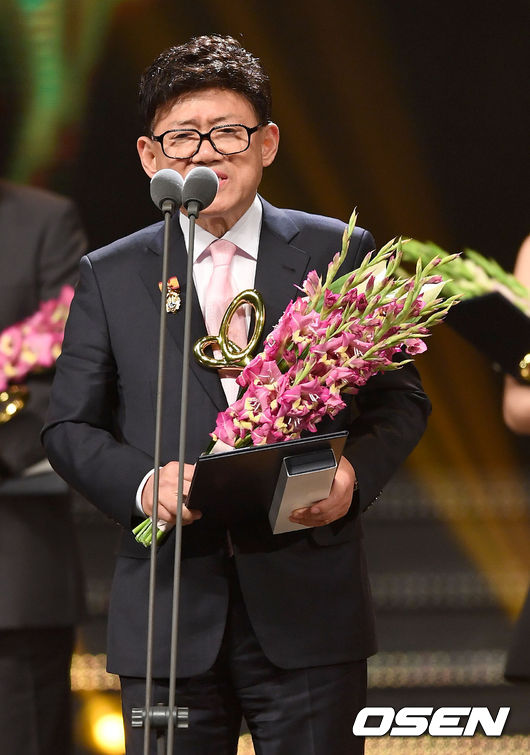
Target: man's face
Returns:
[[239, 175]]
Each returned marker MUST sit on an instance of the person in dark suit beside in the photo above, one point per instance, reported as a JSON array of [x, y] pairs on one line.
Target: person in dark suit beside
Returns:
[[41, 242], [280, 629]]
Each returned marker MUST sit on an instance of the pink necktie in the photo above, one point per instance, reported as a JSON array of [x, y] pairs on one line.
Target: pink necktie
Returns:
[[219, 293]]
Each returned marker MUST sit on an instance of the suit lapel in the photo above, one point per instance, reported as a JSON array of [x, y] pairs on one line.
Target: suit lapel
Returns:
[[151, 272]]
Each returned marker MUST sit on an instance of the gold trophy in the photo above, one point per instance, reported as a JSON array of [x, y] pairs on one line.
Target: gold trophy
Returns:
[[231, 354]]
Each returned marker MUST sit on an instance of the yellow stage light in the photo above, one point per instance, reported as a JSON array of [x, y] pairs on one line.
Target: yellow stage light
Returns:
[[100, 724], [107, 733]]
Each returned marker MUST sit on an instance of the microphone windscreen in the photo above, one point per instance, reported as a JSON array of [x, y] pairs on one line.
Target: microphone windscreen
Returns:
[[167, 184], [200, 185]]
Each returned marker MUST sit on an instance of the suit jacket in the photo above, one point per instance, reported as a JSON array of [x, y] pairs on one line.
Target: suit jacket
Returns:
[[307, 592], [41, 242]]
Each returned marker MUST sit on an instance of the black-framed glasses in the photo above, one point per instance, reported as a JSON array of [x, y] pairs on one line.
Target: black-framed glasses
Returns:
[[228, 139]]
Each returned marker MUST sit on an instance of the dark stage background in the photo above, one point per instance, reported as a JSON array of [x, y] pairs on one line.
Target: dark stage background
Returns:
[[415, 112]]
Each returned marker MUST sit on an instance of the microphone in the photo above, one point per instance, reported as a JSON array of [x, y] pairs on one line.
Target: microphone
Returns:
[[199, 190], [166, 190]]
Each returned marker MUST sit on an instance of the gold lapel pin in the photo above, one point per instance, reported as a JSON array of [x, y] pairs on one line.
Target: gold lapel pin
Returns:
[[172, 294]]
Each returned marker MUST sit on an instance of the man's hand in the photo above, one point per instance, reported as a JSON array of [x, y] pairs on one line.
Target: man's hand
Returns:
[[167, 494], [333, 507]]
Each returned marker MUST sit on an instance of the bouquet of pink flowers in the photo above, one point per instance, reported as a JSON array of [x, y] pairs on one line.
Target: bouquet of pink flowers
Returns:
[[35, 343], [328, 342]]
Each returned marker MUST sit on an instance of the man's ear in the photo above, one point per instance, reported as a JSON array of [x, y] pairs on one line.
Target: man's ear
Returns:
[[270, 143], [147, 154]]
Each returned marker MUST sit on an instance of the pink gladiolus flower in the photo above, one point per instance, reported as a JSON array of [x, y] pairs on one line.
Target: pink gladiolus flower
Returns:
[[393, 308], [265, 434], [415, 346], [256, 401], [330, 299], [349, 298], [276, 341], [299, 319], [299, 400], [341, 374], [260, 372], [312, 284], [334, 403], [225, 429], [417, 306], [362, 302], [370, 284]]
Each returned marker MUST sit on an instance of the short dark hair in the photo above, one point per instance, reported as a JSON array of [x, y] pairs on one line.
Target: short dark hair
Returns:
[[207, 61]]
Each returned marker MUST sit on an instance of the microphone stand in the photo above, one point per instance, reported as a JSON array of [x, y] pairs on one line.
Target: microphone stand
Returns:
[[193, 209], [198, 191], [162, 717]]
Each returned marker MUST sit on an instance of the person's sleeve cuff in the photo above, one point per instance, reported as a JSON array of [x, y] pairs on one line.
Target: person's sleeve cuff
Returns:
[[139, 492]]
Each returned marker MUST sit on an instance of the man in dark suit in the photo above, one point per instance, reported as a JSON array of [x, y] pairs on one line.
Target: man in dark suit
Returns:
[[280, 630], [41, 242]]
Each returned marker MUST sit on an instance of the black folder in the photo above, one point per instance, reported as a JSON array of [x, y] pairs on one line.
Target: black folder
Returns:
[[239, 486], [496, 327]]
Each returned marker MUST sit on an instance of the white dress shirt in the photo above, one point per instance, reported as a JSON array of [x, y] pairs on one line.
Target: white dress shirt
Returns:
[[245, 234]]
